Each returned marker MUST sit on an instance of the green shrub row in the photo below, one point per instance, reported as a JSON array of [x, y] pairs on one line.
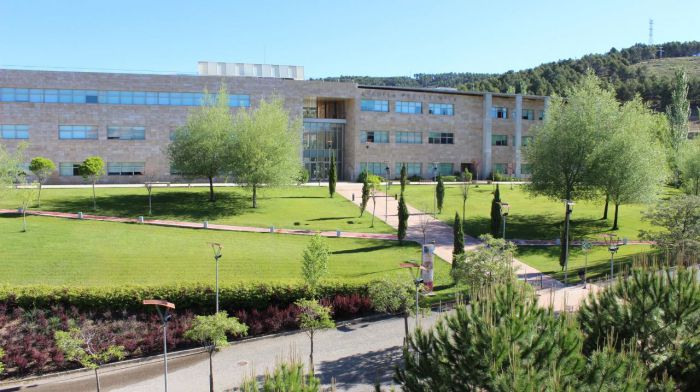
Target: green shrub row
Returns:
[[198, 298]]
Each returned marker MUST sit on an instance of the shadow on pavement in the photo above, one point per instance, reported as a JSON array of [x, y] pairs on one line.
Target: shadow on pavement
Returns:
[[366, 368]]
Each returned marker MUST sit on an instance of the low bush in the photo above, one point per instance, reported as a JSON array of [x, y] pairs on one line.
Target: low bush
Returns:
[[449, 178], [415, 178]]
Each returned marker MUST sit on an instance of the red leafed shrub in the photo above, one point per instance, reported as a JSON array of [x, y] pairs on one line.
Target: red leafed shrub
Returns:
[[348, 306]]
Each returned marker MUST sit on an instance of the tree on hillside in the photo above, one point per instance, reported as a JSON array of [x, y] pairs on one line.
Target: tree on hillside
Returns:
[[458, 233], [678, 112], [314, 263], [393, 296], [404, 177], [332, 176], [627, 163], [680, 219], [365, 194], [464, 189], [266, 149], [203, 147], [562, 151], [211, 332], [313, 317], [496, 212], [42, 169], [689, 165], [91, 170], [403, 219], [440, 193]]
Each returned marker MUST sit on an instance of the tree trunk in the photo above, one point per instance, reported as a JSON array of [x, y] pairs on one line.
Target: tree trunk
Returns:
[[38, 198], [311, 354], [605, 211], [24, 219], [564, 248], [697, 185], [617, 206], [464, 208], [405, 323], [211, 189], [255, 196], [97, 380], [94, 197], [374, 208], [211, 372]]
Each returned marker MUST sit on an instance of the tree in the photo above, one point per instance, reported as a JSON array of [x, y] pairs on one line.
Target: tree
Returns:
[[464, 189], [365, 194], [496, 213], [92, 169], [203, 147], [403, 219], [287, 376], [440, 193], [404, 177], [42, 169], [678, 112], [314, 264], [211, 332], [393, 296], [627, 162], [561, 154], [504, 341], [303, 176], [680, 219], [10, 169], [655, 314], [267, 147], [487, 264], [85, 346], [689, 167], [458, 233], [374, 183], [332, 177], [27, 194], [313, 317]]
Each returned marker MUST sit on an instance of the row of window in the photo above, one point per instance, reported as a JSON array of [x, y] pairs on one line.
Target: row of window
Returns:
[[412, 169], [502, 140], [113, 168], [14, 131], [502, 168], [406, 137], [112, 97], [19, 131], [408, 107], [526, 114]]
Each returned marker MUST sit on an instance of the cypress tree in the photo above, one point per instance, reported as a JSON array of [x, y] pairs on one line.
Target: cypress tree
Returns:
[[440, 193], [404, 177], [403, 219], [496, 213], [365, 194], [332, 177], [458, 232]]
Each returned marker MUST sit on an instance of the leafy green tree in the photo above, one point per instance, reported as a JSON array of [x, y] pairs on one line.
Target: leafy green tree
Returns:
[[203, 147], [85, 346], [374, 182], [313, 317], [496, 213], [332, 177], [487, 264], [561, 155], [393, 296], [689, 166], [211, 332], [10, 167], [680, 219], [314, 263], [404, 177], [655, 314], [303, 176], [464, 189], [458, 233], [440, 193], [287, 376], [27, 194], [92, 169], [678, 112], [403, 219], [365, 195], [42, 169], [266, 149]]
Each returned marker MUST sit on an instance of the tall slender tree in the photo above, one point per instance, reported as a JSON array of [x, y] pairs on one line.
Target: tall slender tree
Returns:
[[678, 112], [403, 219], [404, 177], [365, 195], [332, 176], [458, 233], [440, 193], [464, 189], [496, 213]]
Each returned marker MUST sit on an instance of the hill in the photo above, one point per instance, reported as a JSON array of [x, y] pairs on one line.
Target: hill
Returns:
[[664, 67], [450, 79]]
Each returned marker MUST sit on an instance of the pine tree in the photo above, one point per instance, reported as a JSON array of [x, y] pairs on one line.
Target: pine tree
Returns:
[[440, 193], [678, 112], [365, 195], [332, 176], [404, 177], [496, 213], [458, 232], [403, 219]]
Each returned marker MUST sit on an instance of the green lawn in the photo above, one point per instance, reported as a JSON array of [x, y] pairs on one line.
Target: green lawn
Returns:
[[88, 253], [530, 217], [310, 207]]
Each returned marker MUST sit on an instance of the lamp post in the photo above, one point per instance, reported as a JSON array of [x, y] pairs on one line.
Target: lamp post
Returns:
[[435, 169], [569, 209], [504, 208], [613, 243], [585, 247], [386, 192], [417, 280], [165, 318], [217, 255]]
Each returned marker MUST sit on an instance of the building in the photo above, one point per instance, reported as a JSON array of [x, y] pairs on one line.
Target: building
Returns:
[[128, 119]]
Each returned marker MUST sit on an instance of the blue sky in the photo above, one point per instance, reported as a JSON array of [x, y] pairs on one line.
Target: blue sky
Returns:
[[330, 38]]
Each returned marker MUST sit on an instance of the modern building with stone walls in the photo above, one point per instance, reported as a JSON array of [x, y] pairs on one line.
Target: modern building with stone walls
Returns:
[[128, 120]]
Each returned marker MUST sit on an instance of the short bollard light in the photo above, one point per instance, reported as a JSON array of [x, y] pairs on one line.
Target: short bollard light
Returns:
[[353, 197], [80, 215], [272, 229], [337, 233], [206, 224], [140, 219]]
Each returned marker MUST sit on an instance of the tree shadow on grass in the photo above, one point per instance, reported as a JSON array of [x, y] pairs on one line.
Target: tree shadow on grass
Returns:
[[332, 218], [536, 227], [365, 368], [363, 250]]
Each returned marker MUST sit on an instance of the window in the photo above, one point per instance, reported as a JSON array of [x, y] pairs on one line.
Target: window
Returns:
[[374, 137], [528, 114], [499, 112], [441, 109], [10, 131], [526, 140], [404, 137], [441, 138], [499, 140], [67, 169], [541, 116], [370, 105], [126, 133], [445, 169], [77, 132], [112, 97], [409, 107], [125, 168], [499, 168], [412, 168], [377, 168], [525, 169]]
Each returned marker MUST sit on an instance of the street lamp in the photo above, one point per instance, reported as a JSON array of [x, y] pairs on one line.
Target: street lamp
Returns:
[[417, 280], [585, 247], [386, 192], [569, 209], [217, 255], [164, 317], [504, 208], [613, 243], [435, 169]]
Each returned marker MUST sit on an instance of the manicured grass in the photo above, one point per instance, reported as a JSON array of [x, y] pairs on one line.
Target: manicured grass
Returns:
[[530, 217], [546, 259], [281, 207], [88, 253]]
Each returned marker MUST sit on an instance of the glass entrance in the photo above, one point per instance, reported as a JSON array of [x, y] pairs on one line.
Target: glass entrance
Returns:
[[322, 139]]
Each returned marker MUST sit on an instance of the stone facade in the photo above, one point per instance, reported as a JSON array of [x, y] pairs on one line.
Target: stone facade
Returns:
[[472, 123]]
